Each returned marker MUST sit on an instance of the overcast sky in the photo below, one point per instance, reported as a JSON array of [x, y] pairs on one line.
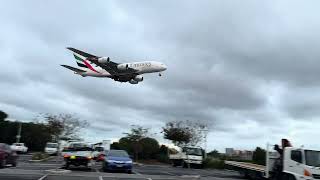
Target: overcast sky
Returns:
[[249, 68]]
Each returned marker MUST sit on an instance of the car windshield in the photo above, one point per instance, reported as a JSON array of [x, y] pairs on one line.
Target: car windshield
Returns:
[[193, 151], [79, 147], [312, 158], [99, 149], [52, 145], [118, 154]]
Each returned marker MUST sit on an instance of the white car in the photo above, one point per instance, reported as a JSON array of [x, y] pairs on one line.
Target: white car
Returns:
[[19, 147], [51, 148]]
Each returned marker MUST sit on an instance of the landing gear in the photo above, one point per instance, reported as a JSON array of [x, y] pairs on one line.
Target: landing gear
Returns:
[[160, 74]]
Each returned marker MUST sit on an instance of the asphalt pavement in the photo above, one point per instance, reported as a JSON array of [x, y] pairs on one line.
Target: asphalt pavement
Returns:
[[27, 170]]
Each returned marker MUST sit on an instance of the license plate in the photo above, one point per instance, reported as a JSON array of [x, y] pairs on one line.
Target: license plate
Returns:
[[72, 157], [119, 165]]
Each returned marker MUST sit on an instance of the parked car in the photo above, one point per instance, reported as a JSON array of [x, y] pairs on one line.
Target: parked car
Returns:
[[51, 148], [7, 155], [19, 147], [117, 160]]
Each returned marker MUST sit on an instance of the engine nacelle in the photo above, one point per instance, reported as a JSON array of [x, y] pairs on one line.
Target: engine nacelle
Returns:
[[123, 67], [138, 78], [104, 60], [133, 81]]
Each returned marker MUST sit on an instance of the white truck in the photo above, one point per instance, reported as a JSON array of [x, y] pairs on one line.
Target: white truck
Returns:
[[288, 163], [51, 148], [188, 156], [100, 149]]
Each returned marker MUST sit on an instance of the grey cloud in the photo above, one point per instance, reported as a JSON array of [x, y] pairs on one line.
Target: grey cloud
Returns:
[[223, 58]]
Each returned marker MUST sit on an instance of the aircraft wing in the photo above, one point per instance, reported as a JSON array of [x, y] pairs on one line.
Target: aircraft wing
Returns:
[[73, 69], [110, 66]]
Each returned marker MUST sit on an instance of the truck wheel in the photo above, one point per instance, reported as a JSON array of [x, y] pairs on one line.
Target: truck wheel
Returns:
[[244, 174], [175, 163], [286, 176]]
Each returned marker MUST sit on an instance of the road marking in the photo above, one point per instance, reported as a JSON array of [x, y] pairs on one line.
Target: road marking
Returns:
[[100, 178], [136, 172], [168, 173], [149, 179], [43, 177]]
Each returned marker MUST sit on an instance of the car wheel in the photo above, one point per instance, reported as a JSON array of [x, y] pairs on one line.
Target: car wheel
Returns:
[[3, 163], [67, 165], [129, 171], [104, 169], [184, 164], [14, 163]]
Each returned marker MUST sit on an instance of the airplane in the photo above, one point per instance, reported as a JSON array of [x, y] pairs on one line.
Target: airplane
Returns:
[[95, 66]]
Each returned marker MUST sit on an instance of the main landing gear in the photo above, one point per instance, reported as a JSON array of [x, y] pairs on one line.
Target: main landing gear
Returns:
[[160, 74]]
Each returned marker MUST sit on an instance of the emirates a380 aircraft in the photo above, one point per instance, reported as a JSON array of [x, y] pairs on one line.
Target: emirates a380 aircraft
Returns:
[[95, 66]]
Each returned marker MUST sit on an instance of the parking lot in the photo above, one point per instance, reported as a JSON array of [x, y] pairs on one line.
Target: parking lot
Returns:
[[45, 171]]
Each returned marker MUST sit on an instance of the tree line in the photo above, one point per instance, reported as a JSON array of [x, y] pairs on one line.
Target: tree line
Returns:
[[137, 142], [47, 128]]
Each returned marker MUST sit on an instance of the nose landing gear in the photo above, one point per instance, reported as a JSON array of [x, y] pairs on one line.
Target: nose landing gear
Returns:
[[160, 74]]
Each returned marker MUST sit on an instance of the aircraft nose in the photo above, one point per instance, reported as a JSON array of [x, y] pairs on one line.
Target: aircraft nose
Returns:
[[164, 67]]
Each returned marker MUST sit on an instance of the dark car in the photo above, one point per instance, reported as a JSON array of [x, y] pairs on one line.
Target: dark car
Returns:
[[115, 160], [7, 155], [78, 154]]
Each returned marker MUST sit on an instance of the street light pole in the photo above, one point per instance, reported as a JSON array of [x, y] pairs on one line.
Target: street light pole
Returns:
[[19, 132]]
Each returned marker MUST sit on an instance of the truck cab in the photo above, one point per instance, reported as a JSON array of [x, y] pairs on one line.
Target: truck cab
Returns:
[[301, 163], [188, 156], [286, 163]]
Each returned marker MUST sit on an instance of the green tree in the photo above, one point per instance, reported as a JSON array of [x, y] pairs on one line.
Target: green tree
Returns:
[[35, 135], [133, 139], [3, 115], [215, 154], [259, 156], [163, 154], [64, 126], [115, 145], [150, 148], [183, 133], [126, 144]]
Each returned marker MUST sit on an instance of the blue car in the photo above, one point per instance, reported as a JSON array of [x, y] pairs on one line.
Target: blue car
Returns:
[[117, 160]]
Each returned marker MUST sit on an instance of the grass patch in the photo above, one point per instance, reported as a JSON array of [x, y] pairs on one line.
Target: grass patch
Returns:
[[214, 163], [39, 156]]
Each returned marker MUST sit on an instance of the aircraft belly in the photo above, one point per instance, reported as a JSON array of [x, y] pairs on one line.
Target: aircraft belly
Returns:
[[98, 74]]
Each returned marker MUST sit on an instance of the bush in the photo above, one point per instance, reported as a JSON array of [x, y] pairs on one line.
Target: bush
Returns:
[[39, 156], [163, 158], [213, 163]]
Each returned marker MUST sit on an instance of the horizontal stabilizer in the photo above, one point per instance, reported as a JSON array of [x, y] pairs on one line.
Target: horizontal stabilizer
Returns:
[[73, 69]]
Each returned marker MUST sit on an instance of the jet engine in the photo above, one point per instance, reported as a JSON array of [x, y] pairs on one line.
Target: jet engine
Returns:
[[104, 60], [123, 67], [138, 78], [133, 81]]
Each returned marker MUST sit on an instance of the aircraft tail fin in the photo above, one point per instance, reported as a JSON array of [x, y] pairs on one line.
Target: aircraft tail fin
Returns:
[[80, 60], [76, 70]]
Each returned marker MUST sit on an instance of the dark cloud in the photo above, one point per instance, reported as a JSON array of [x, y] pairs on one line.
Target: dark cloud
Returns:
[[249, 69]]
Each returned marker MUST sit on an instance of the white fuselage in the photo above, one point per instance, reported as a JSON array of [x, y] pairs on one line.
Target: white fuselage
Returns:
[[141, 67]]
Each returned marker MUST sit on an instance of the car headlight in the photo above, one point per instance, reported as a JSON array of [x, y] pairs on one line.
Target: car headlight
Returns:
[[111, 161], [128, 162]]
